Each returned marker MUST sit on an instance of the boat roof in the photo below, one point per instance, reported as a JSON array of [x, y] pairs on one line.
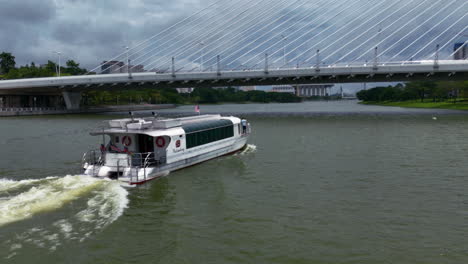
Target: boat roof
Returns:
[[154, 127]]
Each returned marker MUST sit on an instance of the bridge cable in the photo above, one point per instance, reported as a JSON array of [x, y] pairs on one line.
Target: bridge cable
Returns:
[[432, 41], [451, 41], [167, 29], [239, 27], [261, 28], [362, 15], [201, 27], [276, 35], [421, 36], [420, 13], [380, 30], [314, 28], [189, 45], [375, 25]]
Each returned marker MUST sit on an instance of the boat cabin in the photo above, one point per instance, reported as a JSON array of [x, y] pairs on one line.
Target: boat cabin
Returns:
[[147, 142]]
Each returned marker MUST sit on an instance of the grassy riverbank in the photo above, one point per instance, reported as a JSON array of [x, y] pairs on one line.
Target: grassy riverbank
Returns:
[[459, 105]]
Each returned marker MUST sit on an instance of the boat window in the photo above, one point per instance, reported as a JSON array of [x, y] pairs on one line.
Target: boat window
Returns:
[[207, 132]]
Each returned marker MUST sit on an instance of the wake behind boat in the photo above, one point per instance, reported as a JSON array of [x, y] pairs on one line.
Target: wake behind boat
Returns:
[[142, 149]]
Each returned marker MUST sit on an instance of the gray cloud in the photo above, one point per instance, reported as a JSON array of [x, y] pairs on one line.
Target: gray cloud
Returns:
[[27, 11], [85, 30]]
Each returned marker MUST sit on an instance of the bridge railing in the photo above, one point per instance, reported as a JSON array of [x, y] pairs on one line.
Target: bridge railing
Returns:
[[293, 66], [31, 109]]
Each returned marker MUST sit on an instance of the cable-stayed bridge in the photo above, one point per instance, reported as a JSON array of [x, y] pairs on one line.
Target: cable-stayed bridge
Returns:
[[267, 42]]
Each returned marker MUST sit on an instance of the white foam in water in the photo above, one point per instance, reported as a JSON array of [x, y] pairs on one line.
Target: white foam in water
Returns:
[[9, 185], [106, 206], [248, 149], [65, 227], [105, 203], [55, 193], [58, 192], [45, 197]]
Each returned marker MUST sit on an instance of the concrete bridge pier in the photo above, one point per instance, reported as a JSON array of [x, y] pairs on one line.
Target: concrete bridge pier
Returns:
[[72, 100]]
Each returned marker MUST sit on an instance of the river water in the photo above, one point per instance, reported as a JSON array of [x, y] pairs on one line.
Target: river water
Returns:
[[321, 182]]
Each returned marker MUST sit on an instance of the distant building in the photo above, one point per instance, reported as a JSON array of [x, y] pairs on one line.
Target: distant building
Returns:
[[137, 68], [247, 88], [133, 68], [184, 90], [308, 90], [461, 51], [283, 89], [158, 70], [222, 87], [303, 90], [109, 67]]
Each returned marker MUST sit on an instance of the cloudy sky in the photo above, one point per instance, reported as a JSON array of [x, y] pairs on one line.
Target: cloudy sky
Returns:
[[91, 31], [85, 30]]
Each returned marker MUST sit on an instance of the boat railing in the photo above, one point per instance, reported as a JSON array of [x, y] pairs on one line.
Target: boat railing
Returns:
[[249, 129], [144, 160], [93, 157], [122, 161]]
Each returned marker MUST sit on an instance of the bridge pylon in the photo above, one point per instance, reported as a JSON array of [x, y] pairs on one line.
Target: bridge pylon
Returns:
[[72, 100]]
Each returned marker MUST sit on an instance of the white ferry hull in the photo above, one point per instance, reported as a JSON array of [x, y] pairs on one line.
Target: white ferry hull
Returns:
[[136, 176]]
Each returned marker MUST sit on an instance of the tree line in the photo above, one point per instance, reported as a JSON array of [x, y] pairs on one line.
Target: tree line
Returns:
[[203, 95], [8, 69], [422, 91]]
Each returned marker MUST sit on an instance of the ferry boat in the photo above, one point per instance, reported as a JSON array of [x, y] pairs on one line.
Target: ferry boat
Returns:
[[142, 149]]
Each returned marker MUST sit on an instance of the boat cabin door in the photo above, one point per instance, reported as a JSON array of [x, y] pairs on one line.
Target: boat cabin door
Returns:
[[145, 144], [160, 153]]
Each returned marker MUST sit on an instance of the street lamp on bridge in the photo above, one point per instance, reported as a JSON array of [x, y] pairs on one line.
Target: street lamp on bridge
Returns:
[[128, 58], [284, 48], [202, 44], [59, 62]]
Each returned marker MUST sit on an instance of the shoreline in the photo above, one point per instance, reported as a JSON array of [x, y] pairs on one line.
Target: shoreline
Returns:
[[460, 106], [173, 110], [15, 112]]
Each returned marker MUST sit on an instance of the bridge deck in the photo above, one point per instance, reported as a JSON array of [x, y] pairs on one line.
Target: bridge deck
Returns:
[[391, 72]]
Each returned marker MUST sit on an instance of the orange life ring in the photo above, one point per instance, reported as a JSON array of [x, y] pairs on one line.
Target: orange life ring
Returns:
[[127, 141], [160, 142]]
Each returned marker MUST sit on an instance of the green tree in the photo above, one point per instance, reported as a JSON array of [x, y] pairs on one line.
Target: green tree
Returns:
[[7, 62], [28, 72], [73, 68], [438, 91], [207, 95], [417, 88], [51, 66]]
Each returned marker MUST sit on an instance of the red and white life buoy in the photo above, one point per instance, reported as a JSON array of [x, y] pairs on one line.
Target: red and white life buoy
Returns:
[[127, 141], [160, 142]]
